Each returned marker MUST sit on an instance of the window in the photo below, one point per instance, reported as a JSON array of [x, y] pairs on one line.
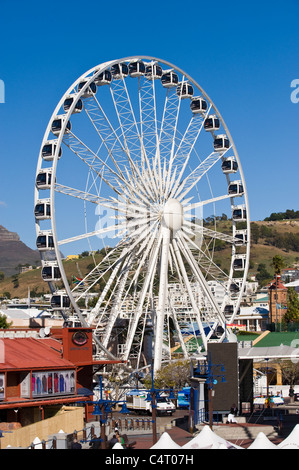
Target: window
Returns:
[[53, 383]]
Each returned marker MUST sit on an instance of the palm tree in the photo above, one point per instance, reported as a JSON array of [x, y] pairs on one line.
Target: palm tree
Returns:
[[278, 263]]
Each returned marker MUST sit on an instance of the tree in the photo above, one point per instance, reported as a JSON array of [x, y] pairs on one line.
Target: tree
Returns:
[[15, 281], [84, 254], [278, 263], [92, 302], [174, 375], [293, 306], [262, 276], [255, 232], [290, 372], [3, 322]]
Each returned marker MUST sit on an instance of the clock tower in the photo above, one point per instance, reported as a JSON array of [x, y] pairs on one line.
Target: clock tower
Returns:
[[77, 344]]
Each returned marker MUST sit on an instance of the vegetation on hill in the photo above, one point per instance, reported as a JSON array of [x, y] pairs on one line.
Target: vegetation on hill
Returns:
[[271, 235], [269, 238], [288, 214], [18, 285]]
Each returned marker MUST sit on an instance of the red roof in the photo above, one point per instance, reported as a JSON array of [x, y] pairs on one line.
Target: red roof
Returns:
[[32, 353], [279, 285]]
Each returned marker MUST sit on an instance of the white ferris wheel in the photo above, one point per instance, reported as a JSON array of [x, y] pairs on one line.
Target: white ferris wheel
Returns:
[[138, 168]]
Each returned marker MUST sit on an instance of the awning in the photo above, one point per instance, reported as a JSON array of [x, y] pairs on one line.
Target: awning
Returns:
[[270, 352]]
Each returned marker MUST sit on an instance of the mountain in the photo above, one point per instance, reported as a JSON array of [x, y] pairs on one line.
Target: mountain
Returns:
[[13, 252]]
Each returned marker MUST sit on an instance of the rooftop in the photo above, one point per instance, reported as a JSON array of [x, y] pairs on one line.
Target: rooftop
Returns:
[[31, 353]]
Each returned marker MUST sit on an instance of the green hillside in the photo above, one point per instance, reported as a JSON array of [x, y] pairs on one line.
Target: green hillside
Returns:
[[269, 238], [18, 285]]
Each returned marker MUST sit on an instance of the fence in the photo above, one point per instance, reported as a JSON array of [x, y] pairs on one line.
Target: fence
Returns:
[[68, 419], [88, 433], [283, 327]]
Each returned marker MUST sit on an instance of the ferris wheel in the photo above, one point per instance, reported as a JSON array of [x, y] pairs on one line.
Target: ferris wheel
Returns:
[[138, 169]]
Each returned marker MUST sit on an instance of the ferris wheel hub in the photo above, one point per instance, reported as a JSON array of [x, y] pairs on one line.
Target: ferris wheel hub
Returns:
[[173, 214]]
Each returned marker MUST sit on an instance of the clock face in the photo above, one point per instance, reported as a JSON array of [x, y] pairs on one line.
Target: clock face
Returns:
[[80, 338]]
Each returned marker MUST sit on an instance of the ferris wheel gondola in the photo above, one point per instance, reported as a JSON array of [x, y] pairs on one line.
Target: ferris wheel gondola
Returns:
[[128, 178], [43, 179]]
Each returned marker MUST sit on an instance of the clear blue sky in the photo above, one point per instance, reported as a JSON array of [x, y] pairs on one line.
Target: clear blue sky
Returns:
[[244, 54]]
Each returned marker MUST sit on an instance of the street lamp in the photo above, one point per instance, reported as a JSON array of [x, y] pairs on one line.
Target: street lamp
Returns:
[[101, 408], [206, 372], [153, 395]]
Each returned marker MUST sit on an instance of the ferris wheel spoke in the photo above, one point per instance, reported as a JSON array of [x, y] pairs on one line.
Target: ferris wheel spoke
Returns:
[[117, 295], [94, 162], [195, 176], [113, 256], [103, 268], [138, 225], [94, 233], [167, 137], [148, 117], [112, 260], [144, 251], [197, 272], [169, 124], [190, 207], [115, 181], [144, 248], [213, 234], [126, 118], [168, 140], [145, 244], [149, 131], [206, 262], [189, 289], [149, 134], [131, 134], [178, 330], [162, 296], [77, 193], [130, 207], [187, 144], [153, 258], [95, 311], [105, 130], [118, 153], [141, 237], [143, 190]]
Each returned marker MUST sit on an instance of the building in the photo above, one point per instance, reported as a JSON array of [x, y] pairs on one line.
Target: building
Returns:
[[39, 375], [289, 274], [26, 316], [254, 318], [277, 300], [294, 284], [71, 257]]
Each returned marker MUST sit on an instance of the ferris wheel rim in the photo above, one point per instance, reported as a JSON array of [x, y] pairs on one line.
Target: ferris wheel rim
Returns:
[[100, 68]]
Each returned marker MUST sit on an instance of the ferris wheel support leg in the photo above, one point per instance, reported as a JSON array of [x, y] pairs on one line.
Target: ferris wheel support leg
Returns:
[[163, 286]]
